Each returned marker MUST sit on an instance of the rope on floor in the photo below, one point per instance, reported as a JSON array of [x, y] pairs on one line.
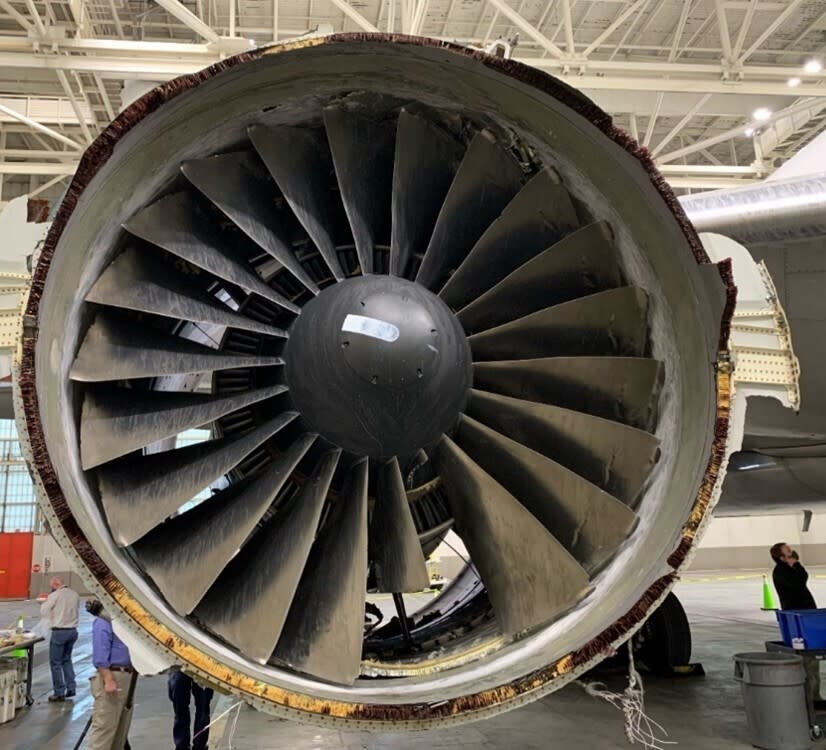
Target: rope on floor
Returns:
[[639, 728], [229, 736]]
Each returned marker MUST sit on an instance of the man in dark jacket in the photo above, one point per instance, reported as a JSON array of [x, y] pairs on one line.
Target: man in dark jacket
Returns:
[[790, 579]]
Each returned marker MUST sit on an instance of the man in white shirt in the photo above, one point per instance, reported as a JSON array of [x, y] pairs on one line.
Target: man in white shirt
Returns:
[[60, 610]]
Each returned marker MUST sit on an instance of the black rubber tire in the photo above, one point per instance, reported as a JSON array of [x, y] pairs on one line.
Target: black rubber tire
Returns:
[[665, 640]]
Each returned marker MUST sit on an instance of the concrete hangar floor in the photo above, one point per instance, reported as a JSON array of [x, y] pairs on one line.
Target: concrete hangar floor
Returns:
[[697, 712]]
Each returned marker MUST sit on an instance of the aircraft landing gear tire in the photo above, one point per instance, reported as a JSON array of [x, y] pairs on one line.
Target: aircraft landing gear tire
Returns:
[[665, 640]]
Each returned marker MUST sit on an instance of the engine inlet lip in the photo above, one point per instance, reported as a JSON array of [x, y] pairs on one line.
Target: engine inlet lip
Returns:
[[103, 575]]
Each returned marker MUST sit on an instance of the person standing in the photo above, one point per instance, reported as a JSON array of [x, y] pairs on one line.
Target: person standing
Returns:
[[790, 579], [183, 689], [110, 684], [60, 610]]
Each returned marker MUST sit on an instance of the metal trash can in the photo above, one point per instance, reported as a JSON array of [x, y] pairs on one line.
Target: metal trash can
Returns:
[[774, 694]]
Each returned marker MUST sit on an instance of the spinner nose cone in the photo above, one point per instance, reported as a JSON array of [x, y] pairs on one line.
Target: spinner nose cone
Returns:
[[379, 366]]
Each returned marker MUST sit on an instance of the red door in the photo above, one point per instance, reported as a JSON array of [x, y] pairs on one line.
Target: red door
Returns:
[[15, 564]]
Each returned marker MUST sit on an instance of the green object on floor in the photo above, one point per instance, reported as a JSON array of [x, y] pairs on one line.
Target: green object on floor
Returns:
[[768, 595], [21, 652]]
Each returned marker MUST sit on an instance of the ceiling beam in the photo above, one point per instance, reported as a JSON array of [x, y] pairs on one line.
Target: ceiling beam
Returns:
[[188, 19], [738, 131], [568, 26], [678, 32], [29, 168], [649, 131], [16, 15], [355, 16], [722, 26], [26, 153], [792, 6], [745, 25], [710, 183], [615, 24], [600, 75], [705, 169], [40, 128], [67, 89], [38, 21], [681, 124]]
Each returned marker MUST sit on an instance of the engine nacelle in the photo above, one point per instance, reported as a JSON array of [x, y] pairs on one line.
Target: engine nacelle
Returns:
[[409, 287]]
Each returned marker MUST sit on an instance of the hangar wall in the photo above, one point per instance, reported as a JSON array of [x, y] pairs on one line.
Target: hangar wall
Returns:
[[743, 543]]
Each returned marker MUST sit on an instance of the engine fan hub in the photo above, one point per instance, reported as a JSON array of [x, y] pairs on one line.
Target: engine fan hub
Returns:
[[378, 365]]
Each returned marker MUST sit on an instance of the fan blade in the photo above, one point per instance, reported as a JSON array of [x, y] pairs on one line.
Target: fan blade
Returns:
[[139, 493], [540, 214], [394, 543], [118, 350], [248, 604], [582, 263], [239, 187], [362, 151], [487, 180], [133, 282], [425, 162], [611, 455], [185, 555], [529, 576], [177, 224], [323, 632], [299, 162], [117, 421], [589, 523], [612, 323], [623, 389]]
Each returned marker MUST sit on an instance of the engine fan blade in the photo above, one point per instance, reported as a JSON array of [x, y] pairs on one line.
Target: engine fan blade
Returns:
[[623, 389], [394, 543], [589, 523], [611, 455], [248, 604], [177, 224], [612, 323], [582, 263], [117, 349], [185, 555], [237, 184], [529, 576], [139, 493], [540, 214], [487, 180], [117, 421], [299, 161], [323, 632], [425, 162], [362, 151], [133, 282]]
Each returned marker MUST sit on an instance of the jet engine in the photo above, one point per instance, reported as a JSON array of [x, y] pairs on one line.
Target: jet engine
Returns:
[[408, 288]]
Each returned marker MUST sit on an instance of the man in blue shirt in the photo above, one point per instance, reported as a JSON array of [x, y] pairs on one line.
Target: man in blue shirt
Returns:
[[110, 685]]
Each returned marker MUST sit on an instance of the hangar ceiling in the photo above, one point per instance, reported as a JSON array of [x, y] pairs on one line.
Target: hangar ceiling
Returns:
[[721, 91]]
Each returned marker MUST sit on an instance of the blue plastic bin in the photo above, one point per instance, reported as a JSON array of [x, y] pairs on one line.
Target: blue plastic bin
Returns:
[[803, 628]]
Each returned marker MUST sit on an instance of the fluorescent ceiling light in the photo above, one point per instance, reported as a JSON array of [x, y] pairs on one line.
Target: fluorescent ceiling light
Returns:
[[793, 82], [761, 114], [813, 66]]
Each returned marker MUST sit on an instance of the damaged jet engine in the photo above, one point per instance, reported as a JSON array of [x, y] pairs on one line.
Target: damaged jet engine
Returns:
[[409, 288]]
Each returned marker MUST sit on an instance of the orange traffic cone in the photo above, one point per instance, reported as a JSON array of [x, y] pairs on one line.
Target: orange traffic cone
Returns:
[[769, 603]]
